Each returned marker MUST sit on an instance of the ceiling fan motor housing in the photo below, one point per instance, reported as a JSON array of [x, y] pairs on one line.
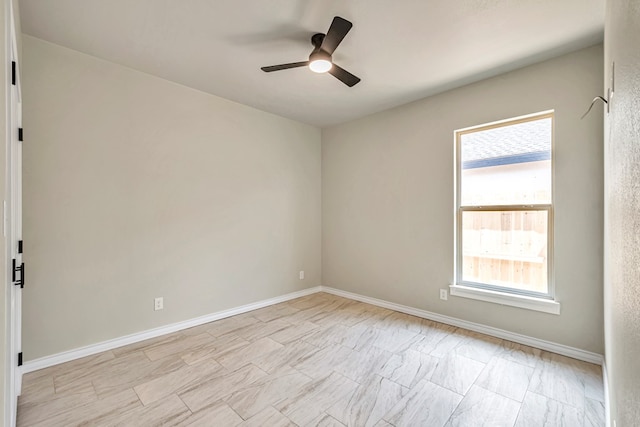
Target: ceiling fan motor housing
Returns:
[[317, 39]]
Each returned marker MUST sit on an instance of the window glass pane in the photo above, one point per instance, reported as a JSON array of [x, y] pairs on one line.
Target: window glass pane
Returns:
[[505, 248], [507, 165]]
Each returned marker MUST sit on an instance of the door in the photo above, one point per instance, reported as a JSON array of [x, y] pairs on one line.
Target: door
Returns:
[[13, 226]]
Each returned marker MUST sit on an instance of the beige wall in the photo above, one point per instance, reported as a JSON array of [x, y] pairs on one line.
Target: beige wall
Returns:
[[622, 207], [135, 188], [388, 206]]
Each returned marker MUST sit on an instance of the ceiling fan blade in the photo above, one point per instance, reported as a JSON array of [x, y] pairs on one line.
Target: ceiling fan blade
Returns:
[[338, 29], [344, 76], [284, 66]]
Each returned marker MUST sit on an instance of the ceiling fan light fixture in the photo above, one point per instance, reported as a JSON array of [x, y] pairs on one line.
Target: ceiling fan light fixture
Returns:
[[323, 47], [320, 61], [320, 65]]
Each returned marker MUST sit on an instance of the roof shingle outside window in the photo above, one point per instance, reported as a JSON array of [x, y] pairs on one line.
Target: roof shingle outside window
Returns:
[[523, 142]]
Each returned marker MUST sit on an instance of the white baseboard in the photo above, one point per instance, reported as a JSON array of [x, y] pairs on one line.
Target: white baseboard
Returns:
[[67, 356], [605, 379], [564, 350]]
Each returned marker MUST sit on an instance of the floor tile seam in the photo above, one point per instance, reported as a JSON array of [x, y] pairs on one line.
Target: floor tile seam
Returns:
[[366, 377], [409, 388], [260, 369], [140, 399], [92, 380], [568, 369], [311, 344], [123, 355], [88, 373], [453, 354], [462, 396], [500, 394], [584, 379], [95, 391], [226, 335], [520, 409], [208, 332], [595, 400], [60, 394], [142, 405], [454, 409], [463, 340], [559, 402], [231, 407], [146, 355], [291, 367], [490, 391], [73, 408], [519, 363], [447, 388], [200, 382], [530, 377], [479, 360], [246, 363], [180, 394], [278, 342], [35, 404], [584, 391], [197, 382], [165, 374], [185, 405], [332, 417], [236, 317], [486, 344], [245, 385], [55, 387], [281, 413], [515, 361], [444, 335], [224, 353]]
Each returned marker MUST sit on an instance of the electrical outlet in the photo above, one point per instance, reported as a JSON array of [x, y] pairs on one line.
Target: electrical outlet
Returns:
[[302, 275], [443, 294], [158, 303]]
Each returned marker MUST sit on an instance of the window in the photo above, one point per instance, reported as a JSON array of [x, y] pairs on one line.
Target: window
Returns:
[[504, 207]]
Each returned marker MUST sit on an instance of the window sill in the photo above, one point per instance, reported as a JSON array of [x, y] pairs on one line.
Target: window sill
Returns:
[[529, 303]]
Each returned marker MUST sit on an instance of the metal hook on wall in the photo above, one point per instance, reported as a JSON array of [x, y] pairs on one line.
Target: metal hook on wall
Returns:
[[597, 98], [610, 92]]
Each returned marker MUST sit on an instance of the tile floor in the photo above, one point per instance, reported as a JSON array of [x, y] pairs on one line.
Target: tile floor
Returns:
[[320, 360]]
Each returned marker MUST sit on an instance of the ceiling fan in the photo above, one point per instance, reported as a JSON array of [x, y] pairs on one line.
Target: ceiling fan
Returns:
[[320, 58]]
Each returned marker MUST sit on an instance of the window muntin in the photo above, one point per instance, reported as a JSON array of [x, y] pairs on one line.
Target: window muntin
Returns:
[[504, 206]]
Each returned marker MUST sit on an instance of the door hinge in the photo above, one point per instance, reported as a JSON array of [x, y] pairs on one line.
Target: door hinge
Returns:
[[17, 269], [19, 246], [13, 72], [20, 359], [20, 134]]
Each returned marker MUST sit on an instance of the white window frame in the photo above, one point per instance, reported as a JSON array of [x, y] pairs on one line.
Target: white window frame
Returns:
[[538, 301]]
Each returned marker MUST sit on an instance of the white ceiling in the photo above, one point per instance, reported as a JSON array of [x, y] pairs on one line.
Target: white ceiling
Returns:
[[402, 50]]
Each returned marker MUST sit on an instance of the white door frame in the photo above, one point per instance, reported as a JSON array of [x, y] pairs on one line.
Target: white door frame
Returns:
[[13, 220]]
